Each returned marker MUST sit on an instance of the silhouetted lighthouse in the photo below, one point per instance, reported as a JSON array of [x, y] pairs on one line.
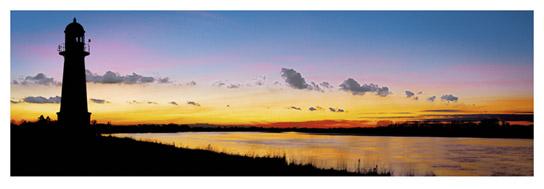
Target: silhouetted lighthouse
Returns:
[[73, 106]]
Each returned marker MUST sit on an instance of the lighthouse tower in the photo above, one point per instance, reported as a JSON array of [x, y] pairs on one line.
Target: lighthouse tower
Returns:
[[73, 106]]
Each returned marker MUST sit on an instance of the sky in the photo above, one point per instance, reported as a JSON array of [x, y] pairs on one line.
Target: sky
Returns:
[[280, 68]]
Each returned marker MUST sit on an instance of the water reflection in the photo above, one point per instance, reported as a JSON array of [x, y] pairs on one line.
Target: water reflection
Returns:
[[402, 155]]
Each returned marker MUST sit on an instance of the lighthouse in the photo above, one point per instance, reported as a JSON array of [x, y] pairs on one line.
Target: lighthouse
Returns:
[[73, 106]]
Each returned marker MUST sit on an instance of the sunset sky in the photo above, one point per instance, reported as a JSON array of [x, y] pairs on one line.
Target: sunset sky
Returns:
[[323, 69]]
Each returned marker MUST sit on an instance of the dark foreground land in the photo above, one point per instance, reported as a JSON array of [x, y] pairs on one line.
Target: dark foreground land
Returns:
[[47, 151]]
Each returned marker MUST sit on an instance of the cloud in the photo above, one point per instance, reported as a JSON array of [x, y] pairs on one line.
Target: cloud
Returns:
[[326, 85], [295, 108], [193, 103], [420, 92], [142, 102], [416, 98], [42, 100], [38, 79], [478, 117], [113, 78], [312, 109], [173, 103], [164, 80], [99, 101], [350, 85], [409, 94], [442, 110], [233, 86], [295, 80], [449, 98], [191, 83], [15, 101], [336, 109], [259, 81], [431, 99]]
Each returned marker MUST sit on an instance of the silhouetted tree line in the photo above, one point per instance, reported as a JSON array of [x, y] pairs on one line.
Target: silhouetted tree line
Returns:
[[492, 128]]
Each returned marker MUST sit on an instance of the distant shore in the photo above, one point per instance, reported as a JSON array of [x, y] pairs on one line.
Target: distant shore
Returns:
[[474, 131], [42, 151]]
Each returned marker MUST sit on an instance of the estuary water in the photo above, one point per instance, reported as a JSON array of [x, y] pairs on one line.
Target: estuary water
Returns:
[[401, 155]]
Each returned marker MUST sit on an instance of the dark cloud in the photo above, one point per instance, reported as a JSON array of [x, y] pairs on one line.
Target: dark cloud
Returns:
[[164, 80], [38, 79], [409, 94], [42, 100], [449, 98], [336, 109], [294, 79], [442, 110], [295, 108], [113, 78], [15, 101], [350, 85], [193, 103], [420, 92], [173, 103], [431, 99], [416, 98], [99, 101], [312, 109]]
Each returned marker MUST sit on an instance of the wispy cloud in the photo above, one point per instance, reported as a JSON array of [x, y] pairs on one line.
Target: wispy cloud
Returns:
[[42, 100], [111, 77], [99, 101], [193, 103], [38, 79], [442, 110]]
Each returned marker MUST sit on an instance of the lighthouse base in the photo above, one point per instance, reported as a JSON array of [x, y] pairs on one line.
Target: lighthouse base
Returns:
[[74, 121]]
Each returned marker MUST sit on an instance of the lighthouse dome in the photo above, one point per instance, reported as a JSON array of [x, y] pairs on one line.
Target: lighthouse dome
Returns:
[[74, 28]]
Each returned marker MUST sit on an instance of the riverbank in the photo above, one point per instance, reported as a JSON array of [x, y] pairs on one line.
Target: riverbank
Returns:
[[422, 130], [57, 152]]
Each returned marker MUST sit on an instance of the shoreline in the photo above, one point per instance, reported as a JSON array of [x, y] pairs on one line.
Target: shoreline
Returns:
[[520, 132], [55, 152]]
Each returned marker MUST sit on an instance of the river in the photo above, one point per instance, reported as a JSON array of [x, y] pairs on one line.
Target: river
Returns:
[[401, 155]]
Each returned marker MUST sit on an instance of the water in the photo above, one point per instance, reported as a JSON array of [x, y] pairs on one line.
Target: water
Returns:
[[402, 155]]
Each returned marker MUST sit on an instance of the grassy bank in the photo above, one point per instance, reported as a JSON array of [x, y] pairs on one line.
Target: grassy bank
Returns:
[[57, 152]]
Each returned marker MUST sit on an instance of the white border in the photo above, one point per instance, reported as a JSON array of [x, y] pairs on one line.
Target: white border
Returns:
[[266, 182]]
